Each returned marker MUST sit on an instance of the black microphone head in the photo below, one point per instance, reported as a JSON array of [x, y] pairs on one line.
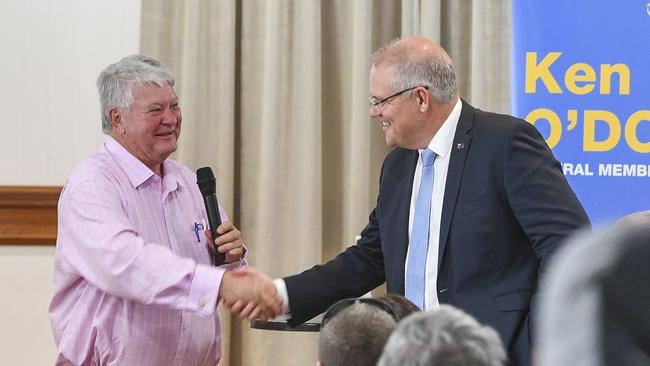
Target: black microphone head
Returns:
[[205, 180]]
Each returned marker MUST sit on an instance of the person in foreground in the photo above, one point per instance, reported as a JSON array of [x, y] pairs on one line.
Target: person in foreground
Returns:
[[471, 205], [133, 284], [354, 331], [443, 337], [595, 311]]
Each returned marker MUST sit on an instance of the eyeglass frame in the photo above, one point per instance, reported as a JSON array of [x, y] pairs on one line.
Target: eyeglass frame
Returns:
[[376, 105], [340, 305]]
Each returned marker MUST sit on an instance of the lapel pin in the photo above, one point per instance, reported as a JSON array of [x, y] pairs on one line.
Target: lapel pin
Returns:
[[460, 145]]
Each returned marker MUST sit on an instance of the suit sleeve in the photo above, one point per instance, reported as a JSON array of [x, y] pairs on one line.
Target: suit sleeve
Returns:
[[354, 272], [540, 197]]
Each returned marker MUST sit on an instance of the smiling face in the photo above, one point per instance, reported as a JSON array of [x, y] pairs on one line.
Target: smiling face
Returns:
[[400, 117], [149, 130]]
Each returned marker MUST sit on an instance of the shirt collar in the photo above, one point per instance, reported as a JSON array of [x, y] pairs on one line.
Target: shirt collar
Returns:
[[171, 177], [443, 139], [136, 171]]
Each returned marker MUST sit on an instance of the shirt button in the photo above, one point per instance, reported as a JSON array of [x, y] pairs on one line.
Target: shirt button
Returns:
[[201, 304]]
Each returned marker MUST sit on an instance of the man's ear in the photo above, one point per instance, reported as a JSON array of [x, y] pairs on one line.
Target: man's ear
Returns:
[[423, 100], [115, 116], [318, 363]]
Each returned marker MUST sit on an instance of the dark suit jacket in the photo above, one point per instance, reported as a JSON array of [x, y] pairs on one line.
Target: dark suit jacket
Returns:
[[507, 207]]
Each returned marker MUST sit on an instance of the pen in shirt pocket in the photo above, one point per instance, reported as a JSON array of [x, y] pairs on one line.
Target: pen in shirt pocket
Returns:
[[198, 229]]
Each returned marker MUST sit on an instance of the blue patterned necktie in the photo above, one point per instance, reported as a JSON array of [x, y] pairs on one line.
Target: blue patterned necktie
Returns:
[[417, 258]]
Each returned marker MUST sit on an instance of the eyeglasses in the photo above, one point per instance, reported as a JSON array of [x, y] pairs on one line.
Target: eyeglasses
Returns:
[[338, 306], [376, 106]]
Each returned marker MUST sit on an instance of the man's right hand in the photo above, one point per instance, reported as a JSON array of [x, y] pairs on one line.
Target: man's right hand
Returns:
[[252, 291]]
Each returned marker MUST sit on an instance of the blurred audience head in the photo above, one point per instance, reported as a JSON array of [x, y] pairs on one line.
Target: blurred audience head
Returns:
[[443, 337], [354, 332], [639, 218], [594, 303]]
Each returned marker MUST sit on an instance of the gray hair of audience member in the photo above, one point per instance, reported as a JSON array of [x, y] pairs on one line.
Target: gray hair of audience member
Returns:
[[443, 337], [414, 67], [115, 83], [593, 303], [355, 336]]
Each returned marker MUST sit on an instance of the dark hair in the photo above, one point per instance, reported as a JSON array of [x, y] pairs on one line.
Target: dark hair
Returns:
[[402, 306]]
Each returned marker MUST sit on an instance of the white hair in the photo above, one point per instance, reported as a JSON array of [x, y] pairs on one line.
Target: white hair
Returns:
[[115, 83]]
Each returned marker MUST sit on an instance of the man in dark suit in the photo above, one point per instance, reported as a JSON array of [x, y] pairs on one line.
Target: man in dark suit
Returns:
[[471, 205]]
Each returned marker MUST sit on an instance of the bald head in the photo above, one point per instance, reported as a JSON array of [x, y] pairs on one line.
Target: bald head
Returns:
[[419, 61]]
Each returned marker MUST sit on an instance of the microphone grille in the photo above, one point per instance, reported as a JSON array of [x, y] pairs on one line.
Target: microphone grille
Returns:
[[206, 181]]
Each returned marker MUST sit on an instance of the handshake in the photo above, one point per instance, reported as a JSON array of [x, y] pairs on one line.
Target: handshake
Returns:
[[250, 294], [244, 291]]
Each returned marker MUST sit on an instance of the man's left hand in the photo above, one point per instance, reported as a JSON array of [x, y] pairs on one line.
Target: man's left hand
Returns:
[[229, 242]]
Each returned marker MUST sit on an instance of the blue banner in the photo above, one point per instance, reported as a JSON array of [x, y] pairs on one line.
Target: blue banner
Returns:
[[581, 75]]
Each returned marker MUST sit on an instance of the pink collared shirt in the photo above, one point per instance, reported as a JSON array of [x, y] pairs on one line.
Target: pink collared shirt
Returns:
[[132, 280]]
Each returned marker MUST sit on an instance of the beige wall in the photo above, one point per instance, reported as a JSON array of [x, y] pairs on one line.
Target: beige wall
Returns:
[[25, 336], [52, 52]]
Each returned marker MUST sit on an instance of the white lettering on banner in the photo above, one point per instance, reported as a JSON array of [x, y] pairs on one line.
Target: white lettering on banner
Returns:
[[623, 170], [577, 169], [606, 170]]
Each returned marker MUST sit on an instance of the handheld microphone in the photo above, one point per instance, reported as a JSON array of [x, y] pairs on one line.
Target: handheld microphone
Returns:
[[208, 187]]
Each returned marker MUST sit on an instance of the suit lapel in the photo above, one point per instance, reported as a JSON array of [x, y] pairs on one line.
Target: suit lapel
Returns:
[[402, 221], [459, 150]]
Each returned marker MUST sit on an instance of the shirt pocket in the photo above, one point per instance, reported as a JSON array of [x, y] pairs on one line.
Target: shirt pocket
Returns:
[[192, 240]]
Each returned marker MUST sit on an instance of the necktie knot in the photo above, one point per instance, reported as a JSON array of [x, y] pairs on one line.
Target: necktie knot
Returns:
[[428, 157]]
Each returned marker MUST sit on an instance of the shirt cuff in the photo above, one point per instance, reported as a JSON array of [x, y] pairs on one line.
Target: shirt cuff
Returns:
[[242, 262], [234, 265], [205, 290], [281, 288]]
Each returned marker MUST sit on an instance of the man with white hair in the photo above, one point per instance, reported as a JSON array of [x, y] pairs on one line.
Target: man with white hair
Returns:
[[134, 283]]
